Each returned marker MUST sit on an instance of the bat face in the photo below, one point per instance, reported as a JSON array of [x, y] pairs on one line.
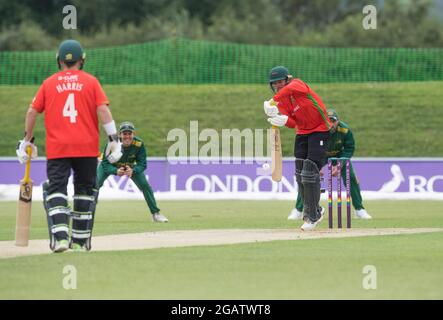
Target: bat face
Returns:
[[276, 154], [23, 218]]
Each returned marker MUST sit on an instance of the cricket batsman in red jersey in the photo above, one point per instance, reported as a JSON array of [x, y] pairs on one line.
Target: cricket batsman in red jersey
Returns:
[[298, 106], [72, 101]]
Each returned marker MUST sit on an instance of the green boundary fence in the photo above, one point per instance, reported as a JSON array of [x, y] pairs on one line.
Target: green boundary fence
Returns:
[[182, 61]]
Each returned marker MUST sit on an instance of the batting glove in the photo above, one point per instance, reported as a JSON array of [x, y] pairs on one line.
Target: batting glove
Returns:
[[278, 121], [270, 110], [114, 149], [22, 146]]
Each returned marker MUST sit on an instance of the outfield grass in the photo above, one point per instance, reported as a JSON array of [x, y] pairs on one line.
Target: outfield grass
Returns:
[[388, 119], [408, 266]]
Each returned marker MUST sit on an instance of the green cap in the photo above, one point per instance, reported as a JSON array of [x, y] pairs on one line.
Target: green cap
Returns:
[[127, 126], [70, 51], [332, 114], [278, 73]]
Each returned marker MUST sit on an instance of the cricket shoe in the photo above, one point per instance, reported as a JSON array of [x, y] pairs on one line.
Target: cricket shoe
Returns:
[[362, 214], [309, 225], [295, 215], [158, 217], [61, 246], [77, 247]]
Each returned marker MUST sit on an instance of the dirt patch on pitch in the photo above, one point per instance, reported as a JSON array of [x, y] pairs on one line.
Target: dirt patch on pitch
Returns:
[[187, 238]]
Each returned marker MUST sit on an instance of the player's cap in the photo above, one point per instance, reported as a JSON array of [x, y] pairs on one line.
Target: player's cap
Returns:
[[332, 114], [70, 51], [127, 126], [278, 73]]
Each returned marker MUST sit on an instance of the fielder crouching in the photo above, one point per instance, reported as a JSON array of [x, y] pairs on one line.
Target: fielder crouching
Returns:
[[133, 165]]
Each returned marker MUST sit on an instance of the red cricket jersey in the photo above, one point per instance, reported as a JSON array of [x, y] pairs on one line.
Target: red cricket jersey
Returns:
[[69, 100], [304, 108]]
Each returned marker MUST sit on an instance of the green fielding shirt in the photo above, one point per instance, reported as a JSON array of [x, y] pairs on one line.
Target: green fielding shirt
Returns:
[[133, 156], [341, 143]]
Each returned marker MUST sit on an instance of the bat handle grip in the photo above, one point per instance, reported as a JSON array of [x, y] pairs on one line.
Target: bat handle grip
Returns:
[[29, 151], [27, 177]]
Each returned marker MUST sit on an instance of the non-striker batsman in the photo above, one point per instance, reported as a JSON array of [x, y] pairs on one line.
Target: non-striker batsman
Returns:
[[72, 101]]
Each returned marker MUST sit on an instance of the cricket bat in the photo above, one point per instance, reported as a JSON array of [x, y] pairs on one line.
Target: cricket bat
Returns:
[[276, 152], [23, 219]]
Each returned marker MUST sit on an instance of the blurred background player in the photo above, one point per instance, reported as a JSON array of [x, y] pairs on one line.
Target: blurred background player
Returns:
[[341, 144], [72, 101], [299, 106], [133, 165]]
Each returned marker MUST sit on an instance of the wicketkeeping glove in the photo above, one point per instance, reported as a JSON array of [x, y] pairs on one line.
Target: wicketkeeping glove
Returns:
[[22, 145], [270, 110], [278, 121], [114, 149]]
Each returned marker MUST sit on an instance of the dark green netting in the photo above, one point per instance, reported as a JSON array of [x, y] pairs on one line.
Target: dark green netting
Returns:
[[181, 61]]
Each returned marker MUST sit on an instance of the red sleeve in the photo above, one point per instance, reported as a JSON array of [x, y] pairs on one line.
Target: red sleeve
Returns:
[[298, 86], [291, 122], [283, 94], [294, 88], [100, 96], [38, 103]]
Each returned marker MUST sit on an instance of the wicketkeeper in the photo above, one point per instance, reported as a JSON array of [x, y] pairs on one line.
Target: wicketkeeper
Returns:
[[132, 164], [341, 144]]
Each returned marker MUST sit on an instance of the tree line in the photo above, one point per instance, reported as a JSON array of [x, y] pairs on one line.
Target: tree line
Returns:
[[37, 24]]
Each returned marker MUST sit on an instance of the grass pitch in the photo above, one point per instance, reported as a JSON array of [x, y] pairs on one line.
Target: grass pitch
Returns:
[[407, 266]]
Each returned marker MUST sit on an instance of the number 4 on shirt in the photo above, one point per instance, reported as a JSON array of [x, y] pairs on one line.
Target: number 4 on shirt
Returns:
[[69, 109]]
